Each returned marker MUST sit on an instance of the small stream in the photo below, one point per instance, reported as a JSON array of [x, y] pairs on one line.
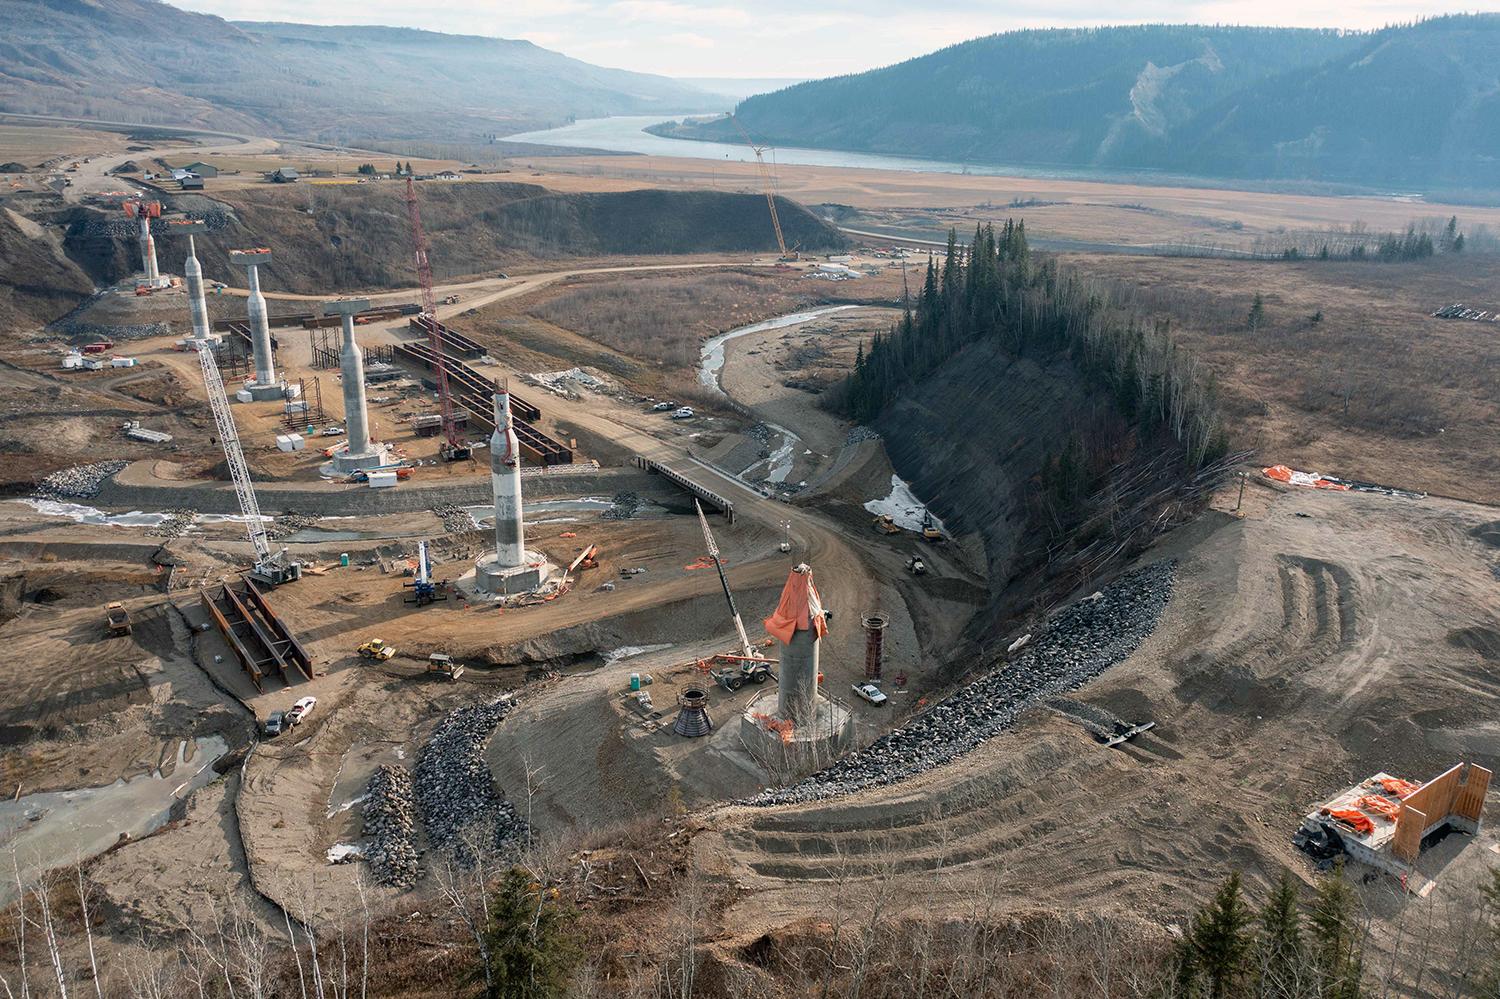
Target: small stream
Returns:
[[711, 356], [58, 828]]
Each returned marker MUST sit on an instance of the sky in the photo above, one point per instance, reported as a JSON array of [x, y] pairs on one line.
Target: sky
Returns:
[[793, 38]]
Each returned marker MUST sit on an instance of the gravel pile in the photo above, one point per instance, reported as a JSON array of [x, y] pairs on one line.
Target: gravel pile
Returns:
[[454, 787], [78, 482], [1081, 643], [91, 332], [625, 506], [290, 523], [176, 524], [390, 826], [456, 520], [861, 434]]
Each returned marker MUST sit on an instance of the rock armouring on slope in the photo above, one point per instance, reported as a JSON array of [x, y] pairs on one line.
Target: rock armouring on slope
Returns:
[[1081, 643], [456, 795], [390, 825]]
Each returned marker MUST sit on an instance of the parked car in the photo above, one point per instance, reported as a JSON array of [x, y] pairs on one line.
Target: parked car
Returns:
[[275, 723], [869, 692], [301, 710], [663, 407], [685, 413]]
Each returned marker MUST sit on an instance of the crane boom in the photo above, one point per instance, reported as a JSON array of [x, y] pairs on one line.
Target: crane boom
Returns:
[[270, 567], [768, 184], [746, 649], [455, 447]]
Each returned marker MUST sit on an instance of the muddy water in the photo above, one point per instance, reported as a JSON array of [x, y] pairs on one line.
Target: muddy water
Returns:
[[62, 828]]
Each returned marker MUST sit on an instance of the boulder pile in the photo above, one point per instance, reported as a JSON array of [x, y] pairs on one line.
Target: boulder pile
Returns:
[[625, 506], [390, 826], [78, 482], [455, 791], [456, 520], [1079, 644]]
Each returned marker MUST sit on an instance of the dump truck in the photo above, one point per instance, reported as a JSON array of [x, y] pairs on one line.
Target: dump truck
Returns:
[[116, 619]]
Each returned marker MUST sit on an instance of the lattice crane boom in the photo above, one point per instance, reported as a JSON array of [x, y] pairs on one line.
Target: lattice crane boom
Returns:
[[746, 649], [234, 454], [768, 184], [429, 310]]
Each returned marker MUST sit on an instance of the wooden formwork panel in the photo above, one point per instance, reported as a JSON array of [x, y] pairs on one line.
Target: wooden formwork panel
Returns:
[[1458, 791]]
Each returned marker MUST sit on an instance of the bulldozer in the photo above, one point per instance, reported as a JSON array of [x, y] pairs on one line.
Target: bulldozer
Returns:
[[885, 524], [377, 650]]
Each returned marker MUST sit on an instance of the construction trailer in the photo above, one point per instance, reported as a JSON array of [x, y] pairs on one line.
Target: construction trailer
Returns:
[[1384, 820]]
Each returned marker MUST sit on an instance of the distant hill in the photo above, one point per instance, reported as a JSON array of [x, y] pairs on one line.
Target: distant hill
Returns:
[[1412, 105], [141, 60]]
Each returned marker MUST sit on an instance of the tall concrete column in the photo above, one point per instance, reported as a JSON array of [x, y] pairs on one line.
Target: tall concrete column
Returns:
[[148, 252], [352, 367], [260, 325], [192, 273], [505, 479]]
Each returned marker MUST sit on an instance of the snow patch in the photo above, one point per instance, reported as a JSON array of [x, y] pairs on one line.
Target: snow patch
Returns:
[[903, 507]]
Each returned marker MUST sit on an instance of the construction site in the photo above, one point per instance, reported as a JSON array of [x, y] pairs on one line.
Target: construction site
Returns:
[[315, 596]]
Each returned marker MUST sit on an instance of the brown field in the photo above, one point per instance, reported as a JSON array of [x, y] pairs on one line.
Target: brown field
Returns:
[[1095, 211], [31, 144], [1377, 390]]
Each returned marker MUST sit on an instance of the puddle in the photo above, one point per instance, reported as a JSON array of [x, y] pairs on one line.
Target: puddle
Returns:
[[903, 507], [58, 828], [712, 354]]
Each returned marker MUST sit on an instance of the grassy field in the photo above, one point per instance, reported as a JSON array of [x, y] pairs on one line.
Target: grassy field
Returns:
[[1061, 209], [1376, 388]]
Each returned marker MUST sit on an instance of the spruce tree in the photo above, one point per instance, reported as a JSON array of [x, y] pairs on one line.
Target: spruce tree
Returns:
[[1257, 313], [1335, 941], [529, 942], [1221, 940], [1280, 964]]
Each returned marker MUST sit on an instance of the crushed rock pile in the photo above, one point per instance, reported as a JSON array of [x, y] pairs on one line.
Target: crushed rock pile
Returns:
[[625, 506], [176, 524], [78, 482], [859, 434], [455, 790], [289, 523], [390, 812], [87, 332], [456, 520], [1082, 642]]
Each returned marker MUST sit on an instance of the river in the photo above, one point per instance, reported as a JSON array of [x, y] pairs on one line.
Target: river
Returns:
[[624, 134]]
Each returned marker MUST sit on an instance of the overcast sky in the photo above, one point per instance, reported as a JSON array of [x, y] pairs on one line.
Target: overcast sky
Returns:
[[801, 38]]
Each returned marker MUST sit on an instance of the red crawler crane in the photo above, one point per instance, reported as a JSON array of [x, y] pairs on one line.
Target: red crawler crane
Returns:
[[453, 448]]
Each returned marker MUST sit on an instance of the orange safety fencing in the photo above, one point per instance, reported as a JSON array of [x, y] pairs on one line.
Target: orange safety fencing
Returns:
[[781, 726]]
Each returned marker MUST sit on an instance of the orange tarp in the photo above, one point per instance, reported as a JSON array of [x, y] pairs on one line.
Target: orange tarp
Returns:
[[1291, 476], [800, 607]]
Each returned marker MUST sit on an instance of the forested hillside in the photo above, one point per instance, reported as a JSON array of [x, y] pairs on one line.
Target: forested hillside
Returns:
[[1411, 105]]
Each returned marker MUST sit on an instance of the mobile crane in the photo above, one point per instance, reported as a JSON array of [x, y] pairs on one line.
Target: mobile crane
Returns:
[[768, 182]]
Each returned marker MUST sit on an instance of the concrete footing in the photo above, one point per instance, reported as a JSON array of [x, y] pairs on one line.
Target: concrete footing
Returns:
[[787, 750], [344, 462], [262, 393], [491, 579]]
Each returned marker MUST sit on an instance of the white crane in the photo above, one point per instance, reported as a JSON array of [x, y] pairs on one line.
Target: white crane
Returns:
[[746, 649], [271, 568]]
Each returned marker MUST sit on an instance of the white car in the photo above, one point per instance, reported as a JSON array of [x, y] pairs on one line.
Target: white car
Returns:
[[869, 692], [662, 407], [685, 413], [301, 710]]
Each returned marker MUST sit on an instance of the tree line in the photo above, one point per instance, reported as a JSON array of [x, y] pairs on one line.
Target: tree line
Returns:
[[994, 289]]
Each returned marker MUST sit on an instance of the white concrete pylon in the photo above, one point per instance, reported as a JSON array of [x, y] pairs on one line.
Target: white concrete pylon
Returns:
[[505, 478]]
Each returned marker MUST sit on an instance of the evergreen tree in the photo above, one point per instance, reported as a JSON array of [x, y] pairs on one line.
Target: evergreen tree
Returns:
[[529, 942], [1221, 940], [1257, 313], [1335, 943], [1279, 955]]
